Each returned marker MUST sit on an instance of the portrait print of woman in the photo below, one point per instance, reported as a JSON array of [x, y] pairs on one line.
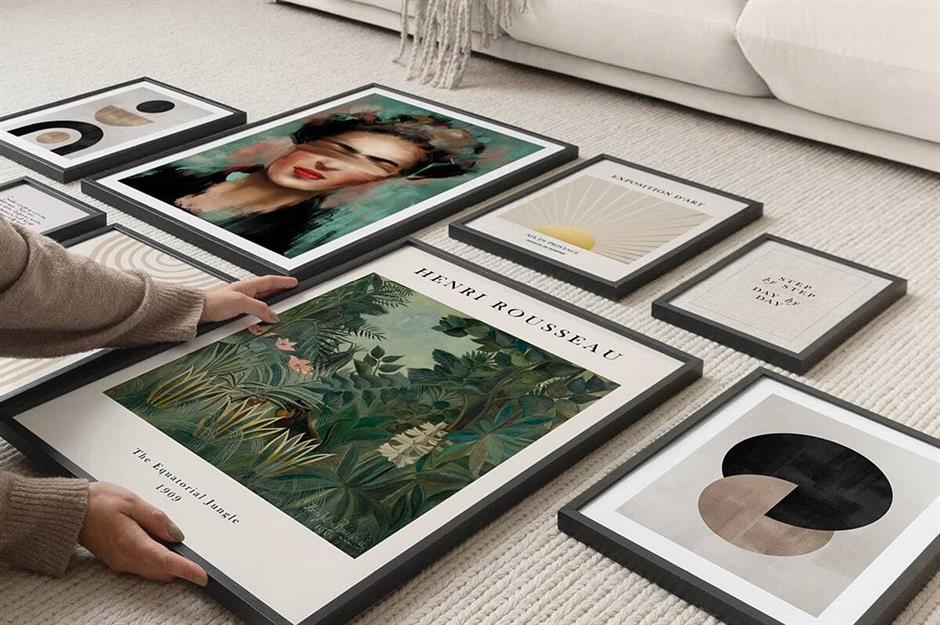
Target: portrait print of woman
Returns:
[[310, 181]]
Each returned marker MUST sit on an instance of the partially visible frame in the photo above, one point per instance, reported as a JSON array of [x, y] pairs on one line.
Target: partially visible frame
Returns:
[[364, 593], [673, 577], [463, 230], [108, 187], [92, 219], [798, 362], [57, 168], [91, 359], [157, 245]]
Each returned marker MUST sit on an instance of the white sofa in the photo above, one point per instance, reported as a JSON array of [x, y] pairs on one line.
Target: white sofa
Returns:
[[860, 74]]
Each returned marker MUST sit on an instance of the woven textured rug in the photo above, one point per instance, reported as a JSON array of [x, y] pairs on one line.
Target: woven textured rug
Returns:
[[267, 58]]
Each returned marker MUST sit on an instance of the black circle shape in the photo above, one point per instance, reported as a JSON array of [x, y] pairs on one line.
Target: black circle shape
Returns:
[[836, 488], [155, 106], [89, 134]]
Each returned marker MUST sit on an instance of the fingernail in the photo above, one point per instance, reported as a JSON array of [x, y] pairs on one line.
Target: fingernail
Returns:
[[274, 317], [201, 580], [175, 532]]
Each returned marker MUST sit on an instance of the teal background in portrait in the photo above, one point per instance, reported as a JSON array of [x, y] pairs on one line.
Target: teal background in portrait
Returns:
[[367, 204]]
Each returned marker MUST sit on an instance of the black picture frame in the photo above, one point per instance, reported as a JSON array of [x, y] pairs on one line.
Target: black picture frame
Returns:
[[394, 573], [57, 172], [166, 249], [92, 220], [251, 262], [612, 289], [91, 366], [693, 589], [798, 362]]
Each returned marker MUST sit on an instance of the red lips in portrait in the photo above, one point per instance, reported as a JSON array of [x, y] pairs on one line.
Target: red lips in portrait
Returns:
[[307, 173]]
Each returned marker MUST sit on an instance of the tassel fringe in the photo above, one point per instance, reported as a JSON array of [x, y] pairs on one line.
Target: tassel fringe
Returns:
[[443, 36]]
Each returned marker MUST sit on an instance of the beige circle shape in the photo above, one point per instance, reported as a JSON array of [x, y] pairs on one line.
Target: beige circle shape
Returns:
[[116, 116], [53, 136], [735, 509]]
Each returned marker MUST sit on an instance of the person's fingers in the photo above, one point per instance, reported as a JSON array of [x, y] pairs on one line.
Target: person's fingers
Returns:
[[263, 286], [154, 561], [269, 285], [243, 297], [257, 308], [265, 294], [155, 521]]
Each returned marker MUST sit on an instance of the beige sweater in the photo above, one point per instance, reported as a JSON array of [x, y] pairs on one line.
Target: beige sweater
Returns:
[[54, 303]]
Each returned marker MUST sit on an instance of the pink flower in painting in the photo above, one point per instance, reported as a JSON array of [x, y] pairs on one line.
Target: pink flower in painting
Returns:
[[259, 152], [285, 345], [258, 329], [299, 365]]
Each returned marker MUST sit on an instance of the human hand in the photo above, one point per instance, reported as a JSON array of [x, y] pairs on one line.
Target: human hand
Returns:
[[244, 296], [119, 528]]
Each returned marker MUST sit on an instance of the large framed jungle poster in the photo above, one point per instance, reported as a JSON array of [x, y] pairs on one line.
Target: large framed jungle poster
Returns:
[[311, 188], [399, 404]]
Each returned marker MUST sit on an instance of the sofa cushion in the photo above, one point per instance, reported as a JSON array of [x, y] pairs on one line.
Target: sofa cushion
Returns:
[[692, 41], [874, 63]]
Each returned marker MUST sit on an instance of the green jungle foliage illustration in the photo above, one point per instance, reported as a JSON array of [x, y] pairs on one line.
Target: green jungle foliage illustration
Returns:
[[363, 408]]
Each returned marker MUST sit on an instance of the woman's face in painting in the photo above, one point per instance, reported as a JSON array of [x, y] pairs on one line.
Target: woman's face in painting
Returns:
[[343, 160]]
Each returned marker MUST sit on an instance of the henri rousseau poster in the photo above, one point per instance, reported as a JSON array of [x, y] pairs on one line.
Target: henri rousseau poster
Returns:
[[382, 405], [363, 408]]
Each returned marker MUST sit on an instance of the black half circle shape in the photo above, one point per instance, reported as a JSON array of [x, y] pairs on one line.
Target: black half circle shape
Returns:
[[837, 488], [89, 134]]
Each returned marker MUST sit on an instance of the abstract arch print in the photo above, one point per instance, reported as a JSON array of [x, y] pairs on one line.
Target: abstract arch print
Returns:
[[786, 494], [107, 121], [55, 132]]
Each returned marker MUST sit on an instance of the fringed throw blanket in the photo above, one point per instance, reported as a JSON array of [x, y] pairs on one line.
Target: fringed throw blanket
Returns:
[[443, 35]]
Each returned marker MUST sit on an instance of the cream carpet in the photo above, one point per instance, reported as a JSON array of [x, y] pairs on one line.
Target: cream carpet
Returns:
[[266, 58]]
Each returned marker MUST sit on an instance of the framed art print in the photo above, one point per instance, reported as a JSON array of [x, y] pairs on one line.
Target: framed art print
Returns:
[[780, 301], [400, 403], [607, 225], [314, 187], [38, 207], [119, 248], [101, 129], [775, 504]]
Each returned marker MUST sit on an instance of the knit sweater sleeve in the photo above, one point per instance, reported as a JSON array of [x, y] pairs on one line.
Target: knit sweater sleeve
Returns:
[[53, 302], [40, 519]]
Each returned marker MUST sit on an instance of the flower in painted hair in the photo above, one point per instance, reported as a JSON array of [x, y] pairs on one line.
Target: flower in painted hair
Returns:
[[411, 445]]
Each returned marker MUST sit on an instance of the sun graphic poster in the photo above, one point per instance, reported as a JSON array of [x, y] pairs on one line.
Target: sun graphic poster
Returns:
[[608, 218]]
